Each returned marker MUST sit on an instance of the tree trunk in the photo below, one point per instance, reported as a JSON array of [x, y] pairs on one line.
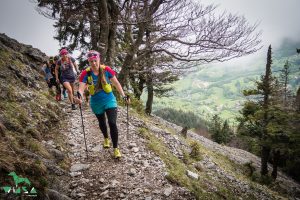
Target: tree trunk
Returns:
[[150, 97], [265, 153], [276, 158], [104, 28], [298, 100], [114, 13], [94, 36], [141, 85], [124, 73]]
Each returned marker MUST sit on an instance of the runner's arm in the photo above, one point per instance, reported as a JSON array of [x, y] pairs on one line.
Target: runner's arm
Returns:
[[81, 88], [56, 72], [76, 67], [117, 84], [44, 73]]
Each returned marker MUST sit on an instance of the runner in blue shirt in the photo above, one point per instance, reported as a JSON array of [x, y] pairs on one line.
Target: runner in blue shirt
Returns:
[[97, 78]]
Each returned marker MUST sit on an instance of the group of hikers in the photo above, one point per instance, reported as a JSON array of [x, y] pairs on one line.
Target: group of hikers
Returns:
[[97, 79]]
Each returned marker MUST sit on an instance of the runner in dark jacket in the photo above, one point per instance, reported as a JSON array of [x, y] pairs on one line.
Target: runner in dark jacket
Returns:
[[49, 70], [67, 66]]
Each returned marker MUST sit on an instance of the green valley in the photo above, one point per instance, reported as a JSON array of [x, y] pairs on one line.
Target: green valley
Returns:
[[218, 89]]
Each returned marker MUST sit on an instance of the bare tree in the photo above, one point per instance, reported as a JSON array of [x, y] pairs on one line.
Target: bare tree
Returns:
[[129, 32]]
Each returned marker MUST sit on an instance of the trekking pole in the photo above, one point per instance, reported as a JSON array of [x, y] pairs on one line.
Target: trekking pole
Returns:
[[79, 96], [127, 98]]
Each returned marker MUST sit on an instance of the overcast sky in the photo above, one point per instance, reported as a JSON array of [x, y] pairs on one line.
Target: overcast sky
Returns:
[[278, 19]]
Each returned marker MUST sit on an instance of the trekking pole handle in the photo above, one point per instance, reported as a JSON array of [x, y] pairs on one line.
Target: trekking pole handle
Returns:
[[78, 95]]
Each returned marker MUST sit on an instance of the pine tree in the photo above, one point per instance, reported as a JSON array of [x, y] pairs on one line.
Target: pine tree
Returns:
[[256, 116], [284, 78]]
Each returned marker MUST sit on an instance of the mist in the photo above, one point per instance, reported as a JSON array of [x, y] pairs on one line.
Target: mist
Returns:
[[278, 21]]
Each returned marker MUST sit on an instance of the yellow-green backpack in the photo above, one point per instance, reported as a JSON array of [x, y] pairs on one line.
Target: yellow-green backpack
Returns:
[[90, 83]]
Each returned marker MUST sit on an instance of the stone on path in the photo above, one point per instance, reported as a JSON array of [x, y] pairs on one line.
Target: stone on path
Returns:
[[79, 167], [168, 191]]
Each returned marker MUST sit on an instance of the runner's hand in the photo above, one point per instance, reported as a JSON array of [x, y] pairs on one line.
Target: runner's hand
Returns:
[[77, 101], [126, 99]]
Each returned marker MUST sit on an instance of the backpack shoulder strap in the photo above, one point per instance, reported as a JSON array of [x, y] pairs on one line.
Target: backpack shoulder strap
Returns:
[[89, 74]]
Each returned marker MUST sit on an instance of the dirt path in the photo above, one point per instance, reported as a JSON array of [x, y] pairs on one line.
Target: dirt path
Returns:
[[139, 174]]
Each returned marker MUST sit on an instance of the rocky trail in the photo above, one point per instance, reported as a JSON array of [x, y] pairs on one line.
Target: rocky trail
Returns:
[[139, 174]]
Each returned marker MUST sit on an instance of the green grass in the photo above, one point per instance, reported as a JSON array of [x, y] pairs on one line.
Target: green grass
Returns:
[[176, 168]]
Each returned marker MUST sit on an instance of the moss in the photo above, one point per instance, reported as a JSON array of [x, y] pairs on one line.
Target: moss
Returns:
[[196, 151], [33, 133], [43, 182], [136, 104], [65, 164]]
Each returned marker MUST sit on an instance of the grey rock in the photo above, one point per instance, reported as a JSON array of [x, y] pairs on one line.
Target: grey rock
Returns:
[[101, 180], [79, 167], [74, 174], [146, 163], [50, 144], [71, 142], [122, 195], [53, 194], [132, 172], [81, 195], [104, 193], [168, 191], [97, 148], [146, 190], [105, 187], [192, 174], [210, 165], [73, 194], [84, 180], [114, 183], [148, 198], [57, 154], [131, 145], [135, 149]]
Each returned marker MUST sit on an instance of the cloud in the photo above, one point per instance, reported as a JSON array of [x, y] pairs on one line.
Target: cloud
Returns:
[[279, 20]]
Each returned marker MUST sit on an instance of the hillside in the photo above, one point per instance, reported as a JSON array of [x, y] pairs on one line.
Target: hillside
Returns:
[[42, 140], [218, 89], [29, 121]]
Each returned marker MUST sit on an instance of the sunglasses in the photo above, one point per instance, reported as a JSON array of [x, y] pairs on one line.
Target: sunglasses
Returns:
[[92, 55]]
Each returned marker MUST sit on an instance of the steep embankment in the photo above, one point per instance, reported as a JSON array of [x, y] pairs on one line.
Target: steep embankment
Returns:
[[28, 118]]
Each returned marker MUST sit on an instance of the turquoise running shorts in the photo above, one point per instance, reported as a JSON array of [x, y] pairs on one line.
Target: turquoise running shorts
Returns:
[[99, 108]]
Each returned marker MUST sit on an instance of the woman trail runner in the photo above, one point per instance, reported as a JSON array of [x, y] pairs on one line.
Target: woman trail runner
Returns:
[[66, 64], [97, 79]]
